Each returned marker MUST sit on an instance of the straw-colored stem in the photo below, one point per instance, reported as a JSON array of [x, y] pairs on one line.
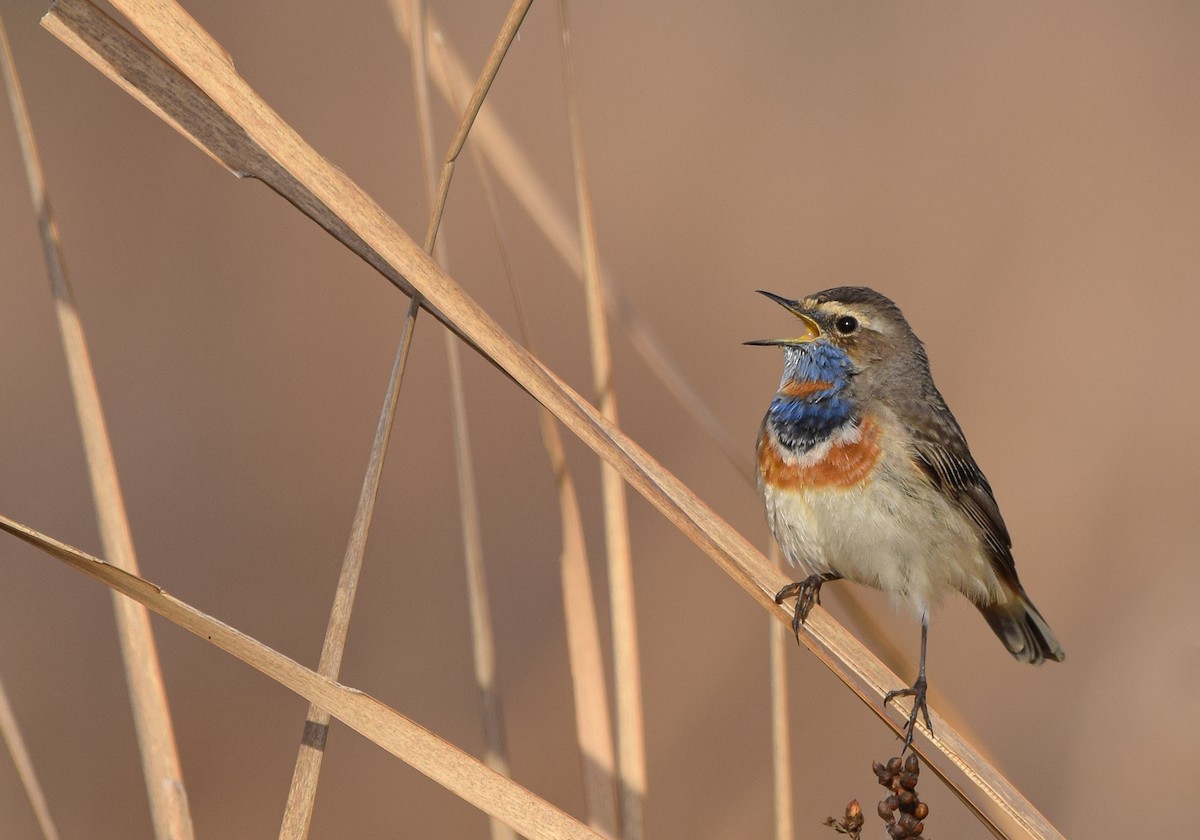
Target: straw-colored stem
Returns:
[[482, 637], [297, 817], [152, 720], [779, 642], [593, 721], [442, 762], [11, 732], [627, 685], [198, 90]]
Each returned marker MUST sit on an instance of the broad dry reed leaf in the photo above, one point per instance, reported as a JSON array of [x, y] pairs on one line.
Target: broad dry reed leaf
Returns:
[[447, 765], [169, 811], [627, 682], [271, 150]]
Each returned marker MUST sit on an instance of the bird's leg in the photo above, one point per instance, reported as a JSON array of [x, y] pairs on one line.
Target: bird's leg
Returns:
[[917, 692], [807, 592]]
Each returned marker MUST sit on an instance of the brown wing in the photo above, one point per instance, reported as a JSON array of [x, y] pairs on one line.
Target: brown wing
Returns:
[[943, 456]]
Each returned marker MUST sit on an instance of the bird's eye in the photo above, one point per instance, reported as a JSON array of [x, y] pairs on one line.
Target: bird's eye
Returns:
[[846, 324]]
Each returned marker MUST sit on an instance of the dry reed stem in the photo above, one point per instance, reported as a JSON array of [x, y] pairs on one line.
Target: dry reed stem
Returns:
[[508, 32], [297, 815], [11, 731], [458, 772], [261, 144], [593, 720], [143, 676], [483, 645], [778, 643], [627, 682], [593, 726], [9, 728]]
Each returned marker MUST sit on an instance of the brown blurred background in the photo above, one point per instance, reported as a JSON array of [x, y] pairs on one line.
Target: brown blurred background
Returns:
[[1021, 178]]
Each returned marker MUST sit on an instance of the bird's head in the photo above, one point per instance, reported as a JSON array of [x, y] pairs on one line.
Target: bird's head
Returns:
[[860, 323]]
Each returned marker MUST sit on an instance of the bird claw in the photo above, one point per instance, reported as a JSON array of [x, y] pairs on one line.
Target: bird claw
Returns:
[[920, 707], [807, 593]]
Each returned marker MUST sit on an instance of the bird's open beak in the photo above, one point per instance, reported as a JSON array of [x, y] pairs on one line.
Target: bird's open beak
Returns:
[[811, 330]]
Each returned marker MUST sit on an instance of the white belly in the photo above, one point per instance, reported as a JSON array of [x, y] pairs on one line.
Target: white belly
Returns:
[[895, 533]]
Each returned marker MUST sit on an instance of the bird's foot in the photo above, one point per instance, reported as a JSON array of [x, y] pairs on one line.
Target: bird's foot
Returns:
[[920, 707], [807, 593]]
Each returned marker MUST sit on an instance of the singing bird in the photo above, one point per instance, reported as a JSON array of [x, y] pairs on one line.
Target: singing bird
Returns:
[[866, 476]]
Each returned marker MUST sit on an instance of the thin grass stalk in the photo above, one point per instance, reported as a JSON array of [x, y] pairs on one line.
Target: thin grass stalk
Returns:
[[297, 816], [593, 721], [460, 773], [627, 683], [482, 634], [9, 728], [11, 732], [483, 644], [200, 93], [593, 726], [152, 719], [779, 643]]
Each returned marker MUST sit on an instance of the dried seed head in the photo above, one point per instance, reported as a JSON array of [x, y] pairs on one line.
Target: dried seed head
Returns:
[[885, 813], [851, 823], [903, 810]]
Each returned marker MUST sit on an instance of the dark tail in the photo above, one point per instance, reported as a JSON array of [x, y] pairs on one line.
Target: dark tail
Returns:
[[1022, 629]]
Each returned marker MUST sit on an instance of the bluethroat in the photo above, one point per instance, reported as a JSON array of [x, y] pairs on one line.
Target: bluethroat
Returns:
[[866, 476]]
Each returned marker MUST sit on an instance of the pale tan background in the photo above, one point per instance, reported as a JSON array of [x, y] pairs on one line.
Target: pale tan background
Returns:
[[1021, 177]]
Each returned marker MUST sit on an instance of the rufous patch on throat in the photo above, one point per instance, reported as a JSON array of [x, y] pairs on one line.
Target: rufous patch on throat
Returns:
[[801, 388], [846, 464]]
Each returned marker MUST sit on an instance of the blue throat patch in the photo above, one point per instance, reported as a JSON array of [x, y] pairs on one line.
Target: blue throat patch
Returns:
[[801, 422]]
